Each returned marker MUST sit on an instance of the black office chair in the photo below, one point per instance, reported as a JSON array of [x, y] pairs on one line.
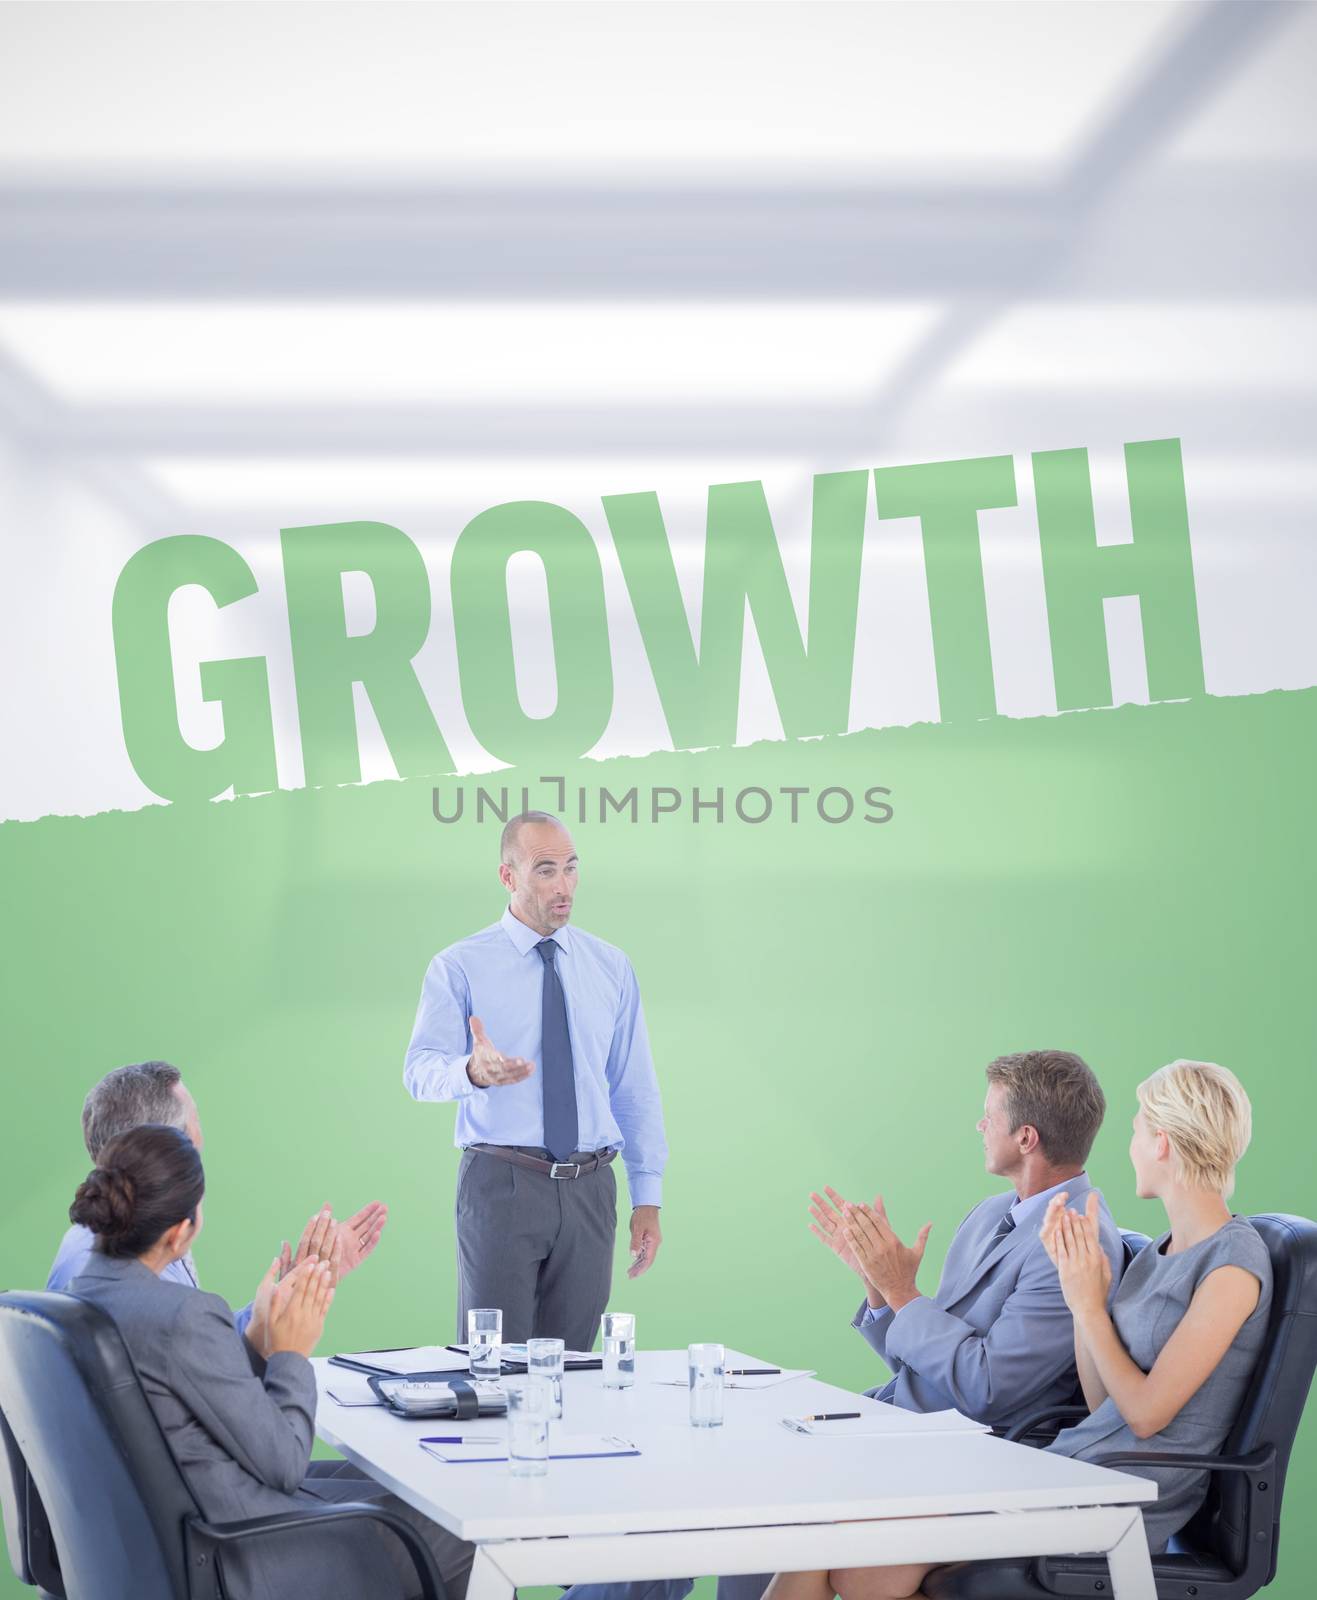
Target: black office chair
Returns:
[[27, 1532], [122, 1516], [1228, 1549], [1133, 1242]]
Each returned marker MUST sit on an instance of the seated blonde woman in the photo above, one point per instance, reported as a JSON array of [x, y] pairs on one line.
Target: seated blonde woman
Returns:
[[1168, 1366]]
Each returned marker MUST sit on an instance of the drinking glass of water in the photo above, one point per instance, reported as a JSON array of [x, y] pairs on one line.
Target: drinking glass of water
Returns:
[[706, 1362], [529, 1402], [619, 1333], [484, 1337], [544, 1359]]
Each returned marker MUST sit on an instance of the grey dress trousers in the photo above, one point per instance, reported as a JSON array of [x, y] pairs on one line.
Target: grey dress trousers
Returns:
[[539, 1248]]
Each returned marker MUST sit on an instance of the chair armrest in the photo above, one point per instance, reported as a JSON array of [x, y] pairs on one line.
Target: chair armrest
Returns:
[[1260, 1460], [1022, 1430], [202, 1534]]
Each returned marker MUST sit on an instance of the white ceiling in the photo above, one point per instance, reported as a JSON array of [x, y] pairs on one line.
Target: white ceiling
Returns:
[[473, 93]]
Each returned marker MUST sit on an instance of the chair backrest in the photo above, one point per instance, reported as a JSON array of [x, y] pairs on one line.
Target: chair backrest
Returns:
[[13, 1502], [1227, 1523], [1133, 1243], [113, 1493], [27, 1530]]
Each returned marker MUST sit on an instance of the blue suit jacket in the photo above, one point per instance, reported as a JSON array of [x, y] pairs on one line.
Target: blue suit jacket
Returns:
[[996, 1341]]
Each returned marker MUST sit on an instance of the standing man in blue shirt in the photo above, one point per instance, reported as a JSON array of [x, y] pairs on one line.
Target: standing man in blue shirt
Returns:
[[536, 1030]]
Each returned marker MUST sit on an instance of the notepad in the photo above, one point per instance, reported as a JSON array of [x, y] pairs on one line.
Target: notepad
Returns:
[[400, 1363], [352, 1389], [889, 1423], [563, 1447]]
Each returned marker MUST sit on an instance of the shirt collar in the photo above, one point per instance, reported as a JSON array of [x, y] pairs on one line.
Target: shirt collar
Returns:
[[1031, 1210], [525, 939]]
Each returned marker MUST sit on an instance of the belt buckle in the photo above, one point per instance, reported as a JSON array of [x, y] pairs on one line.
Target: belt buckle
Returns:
[[555, 1173]]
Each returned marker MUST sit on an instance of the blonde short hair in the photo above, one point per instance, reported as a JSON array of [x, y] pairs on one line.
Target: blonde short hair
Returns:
[[1203, 1110]]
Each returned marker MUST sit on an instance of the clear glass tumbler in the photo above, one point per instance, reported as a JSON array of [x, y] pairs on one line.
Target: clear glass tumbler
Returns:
[[544, 1359], [484, 1337], [706, 1363], [619, 1335], [529, 1401]]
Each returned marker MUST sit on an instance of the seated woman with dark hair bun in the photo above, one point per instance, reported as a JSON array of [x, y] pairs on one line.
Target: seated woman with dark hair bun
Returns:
[[239, 1414]]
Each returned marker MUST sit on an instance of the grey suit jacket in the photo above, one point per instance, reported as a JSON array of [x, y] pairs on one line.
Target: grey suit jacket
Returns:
[[240, 1428], [996, 1341]]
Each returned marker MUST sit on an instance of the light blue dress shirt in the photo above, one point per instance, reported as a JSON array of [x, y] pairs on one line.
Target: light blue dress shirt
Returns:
[[75, 1250], [496, 975]]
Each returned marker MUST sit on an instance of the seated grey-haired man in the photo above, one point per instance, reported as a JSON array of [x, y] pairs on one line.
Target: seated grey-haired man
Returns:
[[996, 1340], [153, 1091]]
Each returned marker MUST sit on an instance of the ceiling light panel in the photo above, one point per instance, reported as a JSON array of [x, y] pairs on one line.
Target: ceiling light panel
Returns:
[[428, 352], [1193, 346]]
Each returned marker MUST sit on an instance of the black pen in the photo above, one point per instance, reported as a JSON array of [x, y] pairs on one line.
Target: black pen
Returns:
[[754, 1372], [831, 1416]]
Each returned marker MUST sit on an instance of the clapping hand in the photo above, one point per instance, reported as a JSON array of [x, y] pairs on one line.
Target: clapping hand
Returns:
[[1051, 1222], [359, 1235], [1075, 1246], [298, 1308], [316, 1243], [829, 1225], [258, 1324], [488, 1068], [355, 1239], [888, 1264]]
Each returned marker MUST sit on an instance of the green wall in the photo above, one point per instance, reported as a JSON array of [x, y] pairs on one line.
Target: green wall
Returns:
[[1134, 884]]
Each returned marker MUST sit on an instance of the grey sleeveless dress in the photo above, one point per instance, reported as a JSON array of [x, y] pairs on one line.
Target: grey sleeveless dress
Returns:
[[1153, 1296]]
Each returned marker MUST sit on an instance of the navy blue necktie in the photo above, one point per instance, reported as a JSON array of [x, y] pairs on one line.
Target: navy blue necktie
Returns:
[[559, 1080], [1004, 1229]]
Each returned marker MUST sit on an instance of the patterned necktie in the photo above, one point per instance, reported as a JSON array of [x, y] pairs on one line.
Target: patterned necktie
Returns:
[[559, 1080], [1004, 1229]]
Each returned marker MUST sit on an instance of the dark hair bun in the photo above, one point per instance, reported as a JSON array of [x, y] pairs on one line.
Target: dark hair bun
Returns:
[[104, 1202], [146, 1181]]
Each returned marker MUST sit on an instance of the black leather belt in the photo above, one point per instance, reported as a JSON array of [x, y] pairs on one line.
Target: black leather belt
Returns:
[[545, 1167]]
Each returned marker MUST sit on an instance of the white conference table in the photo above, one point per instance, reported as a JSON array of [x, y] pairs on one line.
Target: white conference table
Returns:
[[751, 1496]]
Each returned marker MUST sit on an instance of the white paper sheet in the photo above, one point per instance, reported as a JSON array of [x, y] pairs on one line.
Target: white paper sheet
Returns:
[[670, 1367], [562, 1447], [890, 1422]]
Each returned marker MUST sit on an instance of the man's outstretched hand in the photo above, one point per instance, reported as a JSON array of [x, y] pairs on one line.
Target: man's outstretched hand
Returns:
[[488, 1068]]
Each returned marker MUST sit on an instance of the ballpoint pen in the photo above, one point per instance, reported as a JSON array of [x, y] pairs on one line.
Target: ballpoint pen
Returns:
[[753, 1372], [452, 1438], [831, 1416]]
